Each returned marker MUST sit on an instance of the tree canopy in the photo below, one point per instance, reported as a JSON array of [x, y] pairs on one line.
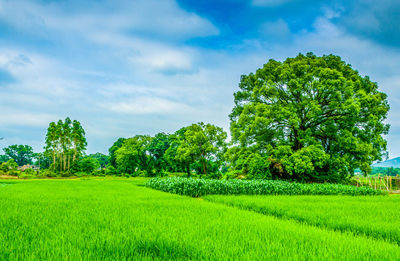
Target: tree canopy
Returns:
[[204, 143], [21, 154], [65, 142], [311, 118]]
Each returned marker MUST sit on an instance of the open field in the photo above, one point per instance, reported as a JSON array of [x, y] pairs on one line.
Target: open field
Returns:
[[107, 219], [375, 216]]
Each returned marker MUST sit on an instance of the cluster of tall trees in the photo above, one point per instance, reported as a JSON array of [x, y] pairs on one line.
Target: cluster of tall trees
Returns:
[[197, 148], [65, 143]]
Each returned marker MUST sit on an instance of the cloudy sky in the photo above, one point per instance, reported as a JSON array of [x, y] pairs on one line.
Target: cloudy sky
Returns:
[[145, 66]]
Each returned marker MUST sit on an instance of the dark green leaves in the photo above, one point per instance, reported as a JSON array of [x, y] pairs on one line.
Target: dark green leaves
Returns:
[[327, 117]]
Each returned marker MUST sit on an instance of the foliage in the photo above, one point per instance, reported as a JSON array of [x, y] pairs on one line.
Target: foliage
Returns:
[[4, 158], [86, 164], [313, 118], [111, 171], [200, 187], [116, 220], [203, 143], [103, 160], [65, 143], [198, 148], [9, 168], [42, 160], [47, 173], [372, 216], [118, 144], [133, 155], [21, 154], [157, 148]]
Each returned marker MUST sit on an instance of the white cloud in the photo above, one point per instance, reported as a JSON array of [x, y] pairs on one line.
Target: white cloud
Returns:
[[149, 17], [150, 105], [25, 119]]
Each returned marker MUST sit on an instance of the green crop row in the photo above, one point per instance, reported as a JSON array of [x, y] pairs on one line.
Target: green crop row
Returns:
[[200, 187]]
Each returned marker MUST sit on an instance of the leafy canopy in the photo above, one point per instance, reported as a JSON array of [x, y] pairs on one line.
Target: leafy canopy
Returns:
[[21, 154], [313, 118]]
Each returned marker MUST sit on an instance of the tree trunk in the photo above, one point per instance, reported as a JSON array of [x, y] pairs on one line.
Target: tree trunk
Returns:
[[68, 166], [188, 169], [65, 161], [61, 162], [204, 166], [54, 160]]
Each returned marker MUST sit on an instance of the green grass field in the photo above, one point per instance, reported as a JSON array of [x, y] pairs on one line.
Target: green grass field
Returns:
[[110, 219], [375, 216]]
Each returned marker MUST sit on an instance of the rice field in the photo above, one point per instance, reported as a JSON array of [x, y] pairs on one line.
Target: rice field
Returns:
[[109, 219], [374, 216]]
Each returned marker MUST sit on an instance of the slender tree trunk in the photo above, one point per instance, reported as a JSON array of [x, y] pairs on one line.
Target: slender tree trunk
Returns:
[[54, 160], [61, 162], [74, 156], [65, 161], [69, 157]]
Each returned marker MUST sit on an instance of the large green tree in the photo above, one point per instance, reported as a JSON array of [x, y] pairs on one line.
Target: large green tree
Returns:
[[21, 154], [133, 155], [313, 118], [204, 143]]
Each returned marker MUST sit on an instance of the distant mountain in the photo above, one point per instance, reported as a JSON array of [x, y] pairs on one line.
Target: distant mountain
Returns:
[[395, 163]]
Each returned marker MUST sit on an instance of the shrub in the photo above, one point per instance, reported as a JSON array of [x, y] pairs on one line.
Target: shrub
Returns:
[[199, 187], [30, 172], [110, 171], [24, 175], [47, 173], [98, 172]]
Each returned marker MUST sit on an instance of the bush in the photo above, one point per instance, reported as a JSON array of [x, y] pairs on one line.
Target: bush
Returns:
[[99, 172], [81, 174], [24, 175], [47, 173], [30, 172], [200, 187], [110, 171]]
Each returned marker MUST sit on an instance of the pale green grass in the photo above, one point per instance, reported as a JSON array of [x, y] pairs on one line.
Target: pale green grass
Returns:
[[375, 216], [107, 219]]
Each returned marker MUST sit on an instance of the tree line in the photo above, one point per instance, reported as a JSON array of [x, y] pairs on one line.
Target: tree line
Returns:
[[308, 118]]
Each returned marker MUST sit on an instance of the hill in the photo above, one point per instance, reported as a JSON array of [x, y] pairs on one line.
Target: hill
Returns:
[[395, 163]]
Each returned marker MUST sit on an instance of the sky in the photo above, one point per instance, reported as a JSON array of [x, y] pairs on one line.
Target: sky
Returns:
[[128, 67]]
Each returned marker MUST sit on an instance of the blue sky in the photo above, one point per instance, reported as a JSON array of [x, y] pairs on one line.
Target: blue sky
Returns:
[[140, 67]]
